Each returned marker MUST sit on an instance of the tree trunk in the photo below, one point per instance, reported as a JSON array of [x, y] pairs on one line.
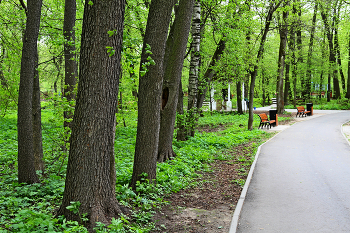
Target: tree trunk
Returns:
[[300, 59], [332, 57], [181, 131], [177, 41], [90, 178], [69, 58], [338, 57], [210, 72], [37, 132], [310, 52], [26, 169], [195, 57], [287, 92], [239, 97], [150, 90], [281, 63], [348, 85], [254, 73]]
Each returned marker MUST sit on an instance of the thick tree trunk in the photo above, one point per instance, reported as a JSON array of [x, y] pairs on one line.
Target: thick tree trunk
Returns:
[[177, 41], [26, 169], [254, 73], [90, 178], [310, 52], [150, 91], [69, 57], [37, 132], [281, 63]]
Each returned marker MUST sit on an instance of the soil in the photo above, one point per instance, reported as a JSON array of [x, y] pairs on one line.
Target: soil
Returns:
[[208, 206]]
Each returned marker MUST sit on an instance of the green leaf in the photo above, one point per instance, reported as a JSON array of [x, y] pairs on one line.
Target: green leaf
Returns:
[[90, 3]]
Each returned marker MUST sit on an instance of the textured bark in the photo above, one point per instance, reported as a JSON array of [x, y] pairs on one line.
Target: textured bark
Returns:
[[69, 57], [177, 41], [254, 73], [299, 45], [37, 132], [89, 179], [26, 169], [281, 63], [195, 56], [150, 90], [287, 91], [310, 52]]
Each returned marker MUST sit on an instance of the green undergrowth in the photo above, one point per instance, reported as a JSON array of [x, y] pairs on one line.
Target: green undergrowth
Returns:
[[31, 208]]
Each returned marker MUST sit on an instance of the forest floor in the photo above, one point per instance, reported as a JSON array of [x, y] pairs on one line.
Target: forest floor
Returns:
[[208, 206]]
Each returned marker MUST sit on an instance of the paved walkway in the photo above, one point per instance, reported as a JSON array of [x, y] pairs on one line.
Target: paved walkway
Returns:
[[301, 180]]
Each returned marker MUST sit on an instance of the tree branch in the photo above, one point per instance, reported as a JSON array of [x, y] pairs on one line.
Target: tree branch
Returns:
[[24, 6]]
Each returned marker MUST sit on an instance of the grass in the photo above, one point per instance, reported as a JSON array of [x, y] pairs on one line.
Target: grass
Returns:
[[31, 208]]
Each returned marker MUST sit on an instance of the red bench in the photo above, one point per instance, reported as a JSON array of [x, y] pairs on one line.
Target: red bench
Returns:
[[265, 121]]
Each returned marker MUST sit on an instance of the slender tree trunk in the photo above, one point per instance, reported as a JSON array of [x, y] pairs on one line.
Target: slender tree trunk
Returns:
[[195, 57], [348, 84], [287, 85], [239, 97], [281, 63], [299, 45], [181, 131], [210, 72], [177, 41], [69, 58], [254, 73], [150, 91], [332, 57], [310, 52], [90, 178], [37, 132], [338, 57], [26, 168]]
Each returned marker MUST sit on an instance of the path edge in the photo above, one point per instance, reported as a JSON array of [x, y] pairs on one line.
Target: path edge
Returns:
[[238, 209]]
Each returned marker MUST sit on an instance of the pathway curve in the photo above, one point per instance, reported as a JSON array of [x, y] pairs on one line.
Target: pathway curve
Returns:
[[301, 181]]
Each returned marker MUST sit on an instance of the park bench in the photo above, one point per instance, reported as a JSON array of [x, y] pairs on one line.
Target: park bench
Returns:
[[301, 111], [264, 121]]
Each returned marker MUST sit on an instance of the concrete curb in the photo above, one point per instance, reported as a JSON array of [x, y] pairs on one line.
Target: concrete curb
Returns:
[[347, 138]]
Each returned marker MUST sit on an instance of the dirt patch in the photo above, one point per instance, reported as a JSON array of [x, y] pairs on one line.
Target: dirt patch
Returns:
[[209, 205]]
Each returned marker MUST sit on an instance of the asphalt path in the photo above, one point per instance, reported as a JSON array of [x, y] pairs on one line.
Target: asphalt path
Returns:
[[301, 181]]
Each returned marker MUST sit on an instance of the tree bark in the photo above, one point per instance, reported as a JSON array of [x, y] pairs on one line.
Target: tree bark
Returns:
[[181, 131], [37, 132], [281, 62], [332, 57], [150, 90], [348, 84], [254, 73], [310, 52], [26, 169], [69, 58], [195, 57], [177, 41], [239, 97], [337, 52], [90, 179]]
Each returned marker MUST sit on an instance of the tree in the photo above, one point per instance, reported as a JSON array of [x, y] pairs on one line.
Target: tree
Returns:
[[26, 169], [311, 49], [90, 175], [283, 30], [69, 57], [272, 8], [332, 55], [150, 90], [173, 63]]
